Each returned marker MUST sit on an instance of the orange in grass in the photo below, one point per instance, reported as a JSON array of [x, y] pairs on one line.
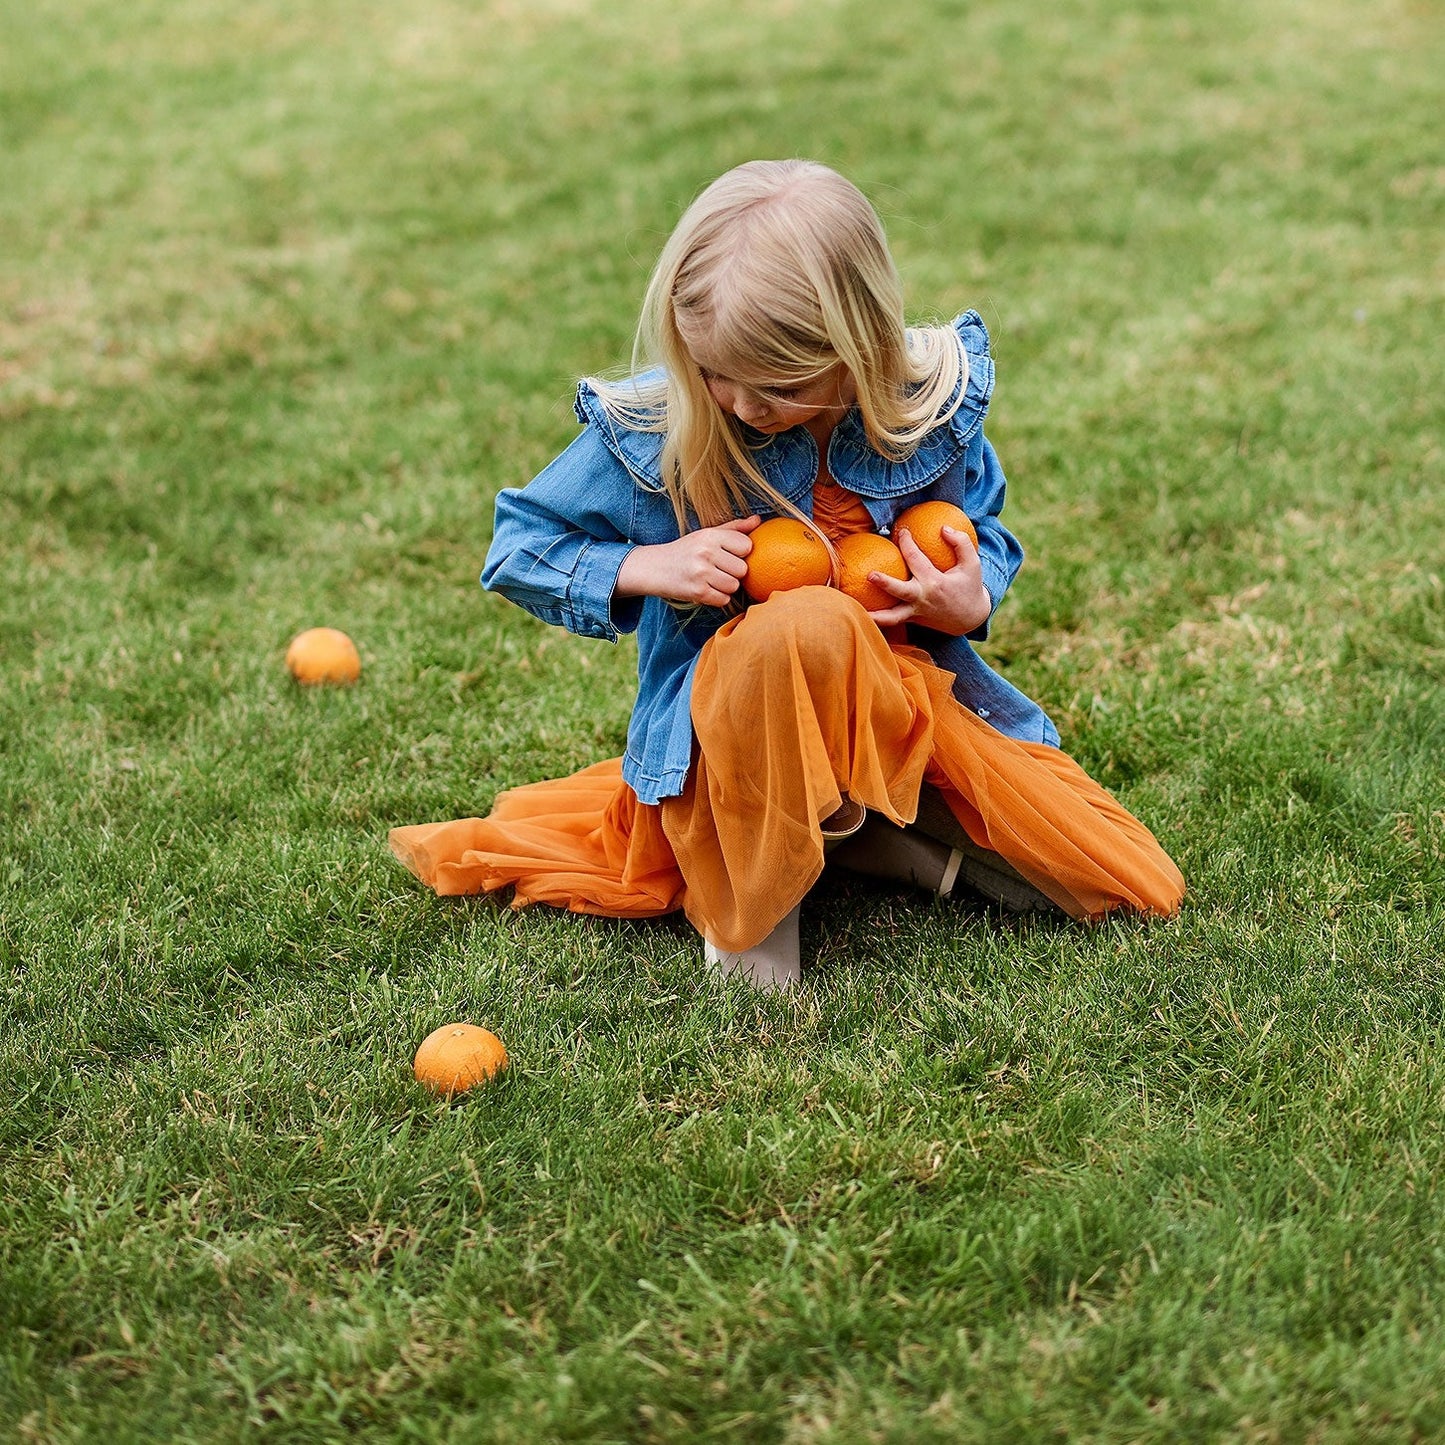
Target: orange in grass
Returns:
[[925, 521], [861, 553], [322, 654], [785, 554], [454, 1057]]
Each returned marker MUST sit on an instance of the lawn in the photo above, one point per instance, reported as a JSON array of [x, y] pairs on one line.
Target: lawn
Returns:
[[287, 293]]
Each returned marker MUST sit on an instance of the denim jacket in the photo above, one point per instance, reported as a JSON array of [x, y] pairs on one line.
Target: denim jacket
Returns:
[[559, 543]]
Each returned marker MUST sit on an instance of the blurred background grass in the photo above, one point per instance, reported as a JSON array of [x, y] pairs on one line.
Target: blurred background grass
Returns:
[[286, 295]]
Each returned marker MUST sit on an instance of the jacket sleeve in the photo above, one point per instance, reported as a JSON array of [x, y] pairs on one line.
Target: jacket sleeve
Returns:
[[975, 481], [999, 553], [560, 541]]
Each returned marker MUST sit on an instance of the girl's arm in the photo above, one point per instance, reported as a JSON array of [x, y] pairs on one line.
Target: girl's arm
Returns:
[[999, 553], [566, 548], [560, 542], [954, 600]]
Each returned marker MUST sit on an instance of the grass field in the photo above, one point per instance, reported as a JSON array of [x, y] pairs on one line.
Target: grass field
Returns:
[[286, 294]]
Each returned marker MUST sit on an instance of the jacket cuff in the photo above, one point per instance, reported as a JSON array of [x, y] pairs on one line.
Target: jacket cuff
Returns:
[[996, 582], [591, 609]]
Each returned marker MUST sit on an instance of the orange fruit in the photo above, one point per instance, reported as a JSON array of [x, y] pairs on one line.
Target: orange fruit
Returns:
[[786, 554], [861, 553], [925, 521], [322, 654], [454, 1057]]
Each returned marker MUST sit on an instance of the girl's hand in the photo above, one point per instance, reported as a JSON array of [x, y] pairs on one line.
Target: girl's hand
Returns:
[[955, 601], [705, 567]]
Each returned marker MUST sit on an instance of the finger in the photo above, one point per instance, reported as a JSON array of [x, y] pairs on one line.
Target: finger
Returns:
[[743, 524], [731, 565], [917, 559], [895, 587], [961, 543], [738, 544], [892, 616]]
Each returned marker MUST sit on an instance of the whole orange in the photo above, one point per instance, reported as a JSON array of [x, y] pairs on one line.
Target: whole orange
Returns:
[[861, 553], [925, 521], [322, 654], [454, 1057], [786, 554]]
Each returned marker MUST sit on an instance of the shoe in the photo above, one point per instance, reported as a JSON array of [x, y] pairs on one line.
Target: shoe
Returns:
[[946, 867], [881, 849], [844, 820], [987, 873], [774, 965]]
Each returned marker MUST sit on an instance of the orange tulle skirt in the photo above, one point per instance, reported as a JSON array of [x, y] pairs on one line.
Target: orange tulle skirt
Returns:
[[796, 702]]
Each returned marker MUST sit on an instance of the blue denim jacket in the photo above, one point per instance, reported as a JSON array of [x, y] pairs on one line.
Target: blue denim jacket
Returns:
[[559, 544]]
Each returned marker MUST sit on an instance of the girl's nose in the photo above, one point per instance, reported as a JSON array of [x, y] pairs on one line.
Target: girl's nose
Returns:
[[747, 406], [750, 409]]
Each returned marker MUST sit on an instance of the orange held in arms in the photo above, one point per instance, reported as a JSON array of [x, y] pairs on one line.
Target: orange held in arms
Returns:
[[786, 554], [860, 553], [454, 1057], [322, 654], [925, 521]]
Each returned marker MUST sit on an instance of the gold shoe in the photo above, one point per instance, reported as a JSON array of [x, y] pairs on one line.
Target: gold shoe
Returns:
[[844, 820]]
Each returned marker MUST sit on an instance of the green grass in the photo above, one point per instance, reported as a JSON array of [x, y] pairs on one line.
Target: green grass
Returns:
[[286, 294]]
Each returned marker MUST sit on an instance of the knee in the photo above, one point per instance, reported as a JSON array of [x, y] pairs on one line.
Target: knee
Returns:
[[816, 624]]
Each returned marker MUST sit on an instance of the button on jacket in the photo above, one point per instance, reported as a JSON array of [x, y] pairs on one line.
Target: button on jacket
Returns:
[[560, 541]]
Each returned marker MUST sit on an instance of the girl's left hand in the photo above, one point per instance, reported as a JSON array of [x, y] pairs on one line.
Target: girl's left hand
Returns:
[[955, 601]]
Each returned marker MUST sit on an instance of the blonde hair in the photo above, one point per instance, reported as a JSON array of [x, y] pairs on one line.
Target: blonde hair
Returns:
[[778, 272]]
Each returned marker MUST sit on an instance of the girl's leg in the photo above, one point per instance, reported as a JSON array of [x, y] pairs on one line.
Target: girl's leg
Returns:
[[1022, 824], [798, 705], [1036, 810], [940, 858]]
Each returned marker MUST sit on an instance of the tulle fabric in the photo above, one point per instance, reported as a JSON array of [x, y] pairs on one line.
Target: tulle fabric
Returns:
[[583, 842], [797, 701], [794, 703], [830, 707]]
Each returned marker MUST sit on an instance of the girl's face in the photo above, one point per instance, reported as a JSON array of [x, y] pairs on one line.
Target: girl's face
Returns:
[[777, 408]]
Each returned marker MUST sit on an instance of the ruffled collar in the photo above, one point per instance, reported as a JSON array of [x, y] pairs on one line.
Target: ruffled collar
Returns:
[[789, 460]]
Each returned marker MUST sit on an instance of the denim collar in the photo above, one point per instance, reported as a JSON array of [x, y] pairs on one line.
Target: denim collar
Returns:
[[789, 460]]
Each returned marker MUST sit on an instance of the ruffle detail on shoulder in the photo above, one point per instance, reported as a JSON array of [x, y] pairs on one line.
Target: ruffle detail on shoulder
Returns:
[[859, 467], [978, 385], [638, 449]]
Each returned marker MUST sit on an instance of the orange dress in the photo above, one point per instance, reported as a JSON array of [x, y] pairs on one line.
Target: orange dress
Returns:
[[797, 701]]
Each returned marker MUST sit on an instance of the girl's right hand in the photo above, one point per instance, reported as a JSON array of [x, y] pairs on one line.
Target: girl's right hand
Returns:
[[705, 567]]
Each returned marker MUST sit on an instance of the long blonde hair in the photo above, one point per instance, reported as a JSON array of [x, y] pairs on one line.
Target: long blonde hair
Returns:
[[779, 270]]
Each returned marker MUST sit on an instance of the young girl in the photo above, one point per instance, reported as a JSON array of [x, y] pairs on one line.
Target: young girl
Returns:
[[785, 382]]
